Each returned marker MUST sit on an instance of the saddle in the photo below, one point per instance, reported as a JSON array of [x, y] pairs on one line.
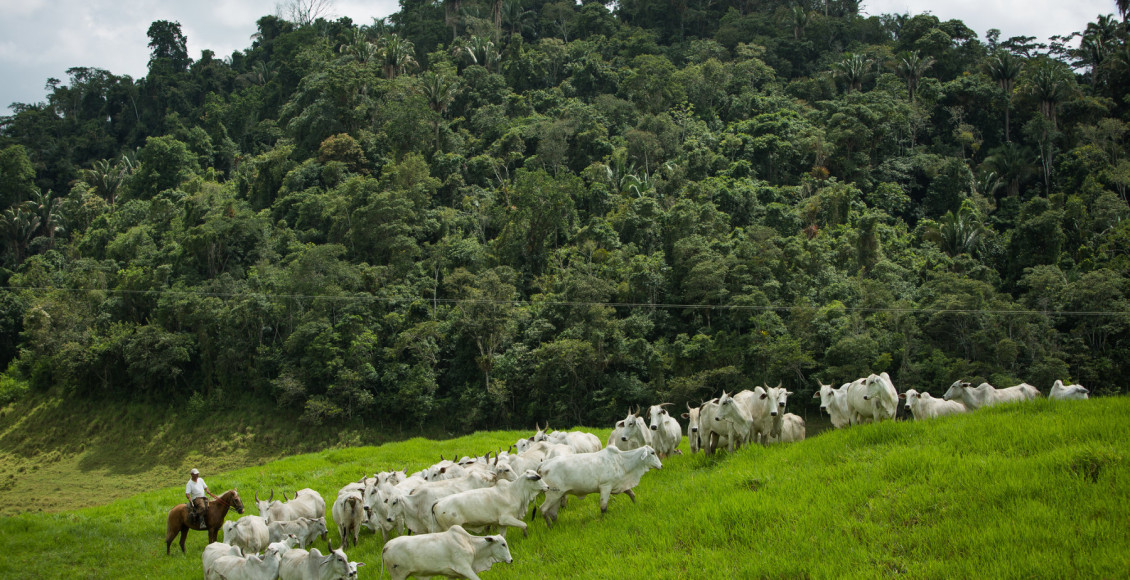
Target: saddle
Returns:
[[196, 519]]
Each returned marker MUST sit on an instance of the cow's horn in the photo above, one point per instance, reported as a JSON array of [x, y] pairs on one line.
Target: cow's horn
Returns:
[[256, 496], [272, 498], [664, 404]]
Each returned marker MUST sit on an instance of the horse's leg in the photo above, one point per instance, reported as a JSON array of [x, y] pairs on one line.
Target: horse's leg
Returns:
[[183, 535]]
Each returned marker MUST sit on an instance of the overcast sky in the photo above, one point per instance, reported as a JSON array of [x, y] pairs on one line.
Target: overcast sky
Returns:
[[43, 38]]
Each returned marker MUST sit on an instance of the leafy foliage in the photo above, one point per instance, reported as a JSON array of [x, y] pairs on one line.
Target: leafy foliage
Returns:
[[483, 213]]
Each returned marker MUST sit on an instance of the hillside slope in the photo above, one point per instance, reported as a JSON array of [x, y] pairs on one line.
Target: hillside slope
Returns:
[[1039, 490]]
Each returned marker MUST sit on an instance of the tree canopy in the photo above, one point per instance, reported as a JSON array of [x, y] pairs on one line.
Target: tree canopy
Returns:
[[494, 213]]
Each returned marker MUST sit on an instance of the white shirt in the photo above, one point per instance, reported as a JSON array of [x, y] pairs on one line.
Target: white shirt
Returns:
[[195, 489]]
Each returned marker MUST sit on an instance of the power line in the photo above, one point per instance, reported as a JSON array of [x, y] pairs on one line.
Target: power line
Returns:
[[655, 306]]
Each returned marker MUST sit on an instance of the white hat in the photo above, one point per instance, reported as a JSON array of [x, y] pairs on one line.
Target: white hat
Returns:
[[194, 471]]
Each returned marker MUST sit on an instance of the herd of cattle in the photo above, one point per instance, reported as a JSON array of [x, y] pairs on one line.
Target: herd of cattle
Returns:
[[433, 509]]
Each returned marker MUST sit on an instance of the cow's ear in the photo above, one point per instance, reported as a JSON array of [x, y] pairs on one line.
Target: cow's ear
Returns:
[[490, 539], [686, 415], [764, 395], [902, 395], [789, 393], [620, 424]]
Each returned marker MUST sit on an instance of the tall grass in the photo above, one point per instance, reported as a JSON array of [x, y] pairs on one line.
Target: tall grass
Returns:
[[1039, 490]]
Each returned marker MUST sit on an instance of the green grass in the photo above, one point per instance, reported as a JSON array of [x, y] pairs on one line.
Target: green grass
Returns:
[[1040, 490]]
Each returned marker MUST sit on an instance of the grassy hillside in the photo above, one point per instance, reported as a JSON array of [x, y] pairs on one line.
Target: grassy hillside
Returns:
[[1039, 490], [57, 455]]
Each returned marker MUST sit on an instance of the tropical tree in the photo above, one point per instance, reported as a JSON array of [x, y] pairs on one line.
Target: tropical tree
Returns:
[[911, 66], [854, 69], [1050, 82], [958, 233], [1013, 163], [397, 55], [1004, 68]]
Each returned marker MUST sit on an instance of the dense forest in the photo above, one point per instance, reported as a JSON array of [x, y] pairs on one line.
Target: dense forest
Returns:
[[497, 212]]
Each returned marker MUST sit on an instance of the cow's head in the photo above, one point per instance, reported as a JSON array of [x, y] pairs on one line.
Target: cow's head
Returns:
[[956, 390], [497, 550], [778, 397], [658, 414], [909, 396]]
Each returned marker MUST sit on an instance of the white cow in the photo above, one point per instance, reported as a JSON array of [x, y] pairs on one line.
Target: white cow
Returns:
[[306, 503], [693, 438], [350, 513], [215, 551], [416, 507], [792, 430], [608, 471], [775, 399], [862, 410], [834, 402], [749, 416], [666, 434], [248, 532], [306, 530], [251, 567], [453, 553], [445, 469], [630, 432], [882, 395], [1068, 392], [503, 505], [298, 564], [532, 457], [925, 406], [985, 395], [580, 441]]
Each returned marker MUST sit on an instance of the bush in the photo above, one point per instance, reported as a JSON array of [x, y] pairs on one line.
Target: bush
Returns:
[[12, 389]]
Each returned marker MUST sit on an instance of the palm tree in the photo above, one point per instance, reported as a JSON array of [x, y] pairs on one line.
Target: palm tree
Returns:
[[397, 55], [1004, 67], [958, 233], [479, 49], [1050, 84], [911, 66], [1013, 164], [18, 226], [359, 48], [439, 91], [854, 69], [515, 17], [800, 21], [1123, 8]]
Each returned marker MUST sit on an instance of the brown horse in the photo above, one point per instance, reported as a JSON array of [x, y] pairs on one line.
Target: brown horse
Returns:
[[178, 521]]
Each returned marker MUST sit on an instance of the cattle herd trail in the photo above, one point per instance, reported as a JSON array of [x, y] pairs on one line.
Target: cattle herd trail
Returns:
[[873, 499]]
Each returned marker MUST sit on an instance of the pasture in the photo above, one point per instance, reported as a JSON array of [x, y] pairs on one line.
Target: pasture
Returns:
[[1040, 489]]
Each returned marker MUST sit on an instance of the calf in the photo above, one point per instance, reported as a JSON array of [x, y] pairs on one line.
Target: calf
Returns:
[[924, 406], [453, 553]]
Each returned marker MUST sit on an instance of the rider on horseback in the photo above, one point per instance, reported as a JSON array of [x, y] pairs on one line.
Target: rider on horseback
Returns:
[[197, 501]]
